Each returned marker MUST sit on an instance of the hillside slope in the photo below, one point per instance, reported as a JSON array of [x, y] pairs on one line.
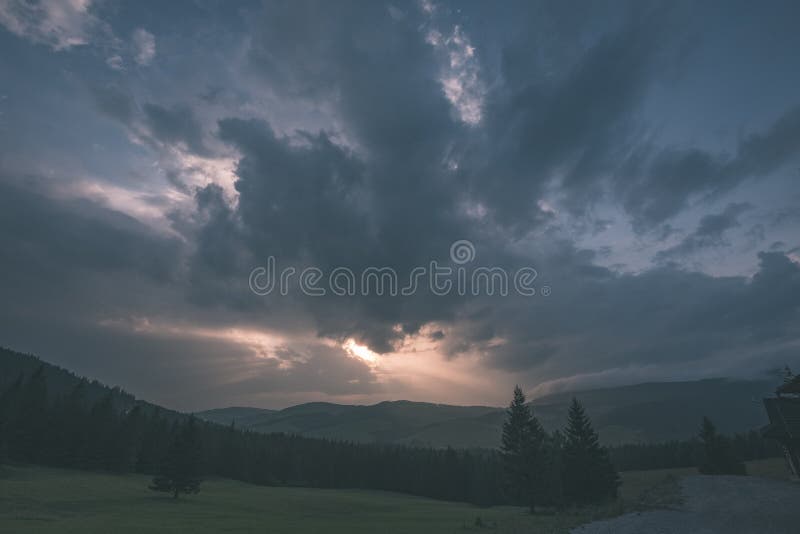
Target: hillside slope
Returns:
[[60, 382]]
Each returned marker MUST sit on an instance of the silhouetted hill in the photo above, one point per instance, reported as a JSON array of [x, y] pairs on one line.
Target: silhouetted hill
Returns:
[[60, 382], [650, 412]]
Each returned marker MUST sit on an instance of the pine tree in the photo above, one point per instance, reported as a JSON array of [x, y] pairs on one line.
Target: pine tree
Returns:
[[589, 475], [522, 449], [180, 470], [718, 457]]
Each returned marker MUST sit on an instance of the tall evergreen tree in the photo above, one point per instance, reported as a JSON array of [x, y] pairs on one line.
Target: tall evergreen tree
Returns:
[[718, 457], [589, 475], [522, 448], [180, 470]]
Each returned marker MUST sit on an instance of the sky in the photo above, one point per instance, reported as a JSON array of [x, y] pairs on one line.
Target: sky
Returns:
[[634, 166]]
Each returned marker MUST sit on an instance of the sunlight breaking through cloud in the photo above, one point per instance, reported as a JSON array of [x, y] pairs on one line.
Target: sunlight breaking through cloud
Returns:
[[360, 352]]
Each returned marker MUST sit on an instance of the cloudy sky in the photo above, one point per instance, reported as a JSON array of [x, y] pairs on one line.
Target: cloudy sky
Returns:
[[643, 158]]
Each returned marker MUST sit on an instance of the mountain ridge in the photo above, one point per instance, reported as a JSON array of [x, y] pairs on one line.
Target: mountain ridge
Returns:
[[646, 412]]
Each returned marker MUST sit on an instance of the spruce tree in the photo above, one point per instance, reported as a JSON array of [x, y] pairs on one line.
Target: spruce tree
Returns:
[[522, 449], [180, 470], [718, 457], [589, 475]]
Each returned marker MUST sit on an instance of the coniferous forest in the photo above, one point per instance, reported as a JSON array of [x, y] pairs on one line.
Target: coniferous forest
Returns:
[[531, 467]]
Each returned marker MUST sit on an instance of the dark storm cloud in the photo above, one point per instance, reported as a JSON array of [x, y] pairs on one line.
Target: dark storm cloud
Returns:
[[295, 200], [45, 237], [309, 201], [80, 272], [390, 175], [396, 204], [176, 124], [569, 123], [381, 78], [657, 184], [379, 72], [709, 233], [662, 317]]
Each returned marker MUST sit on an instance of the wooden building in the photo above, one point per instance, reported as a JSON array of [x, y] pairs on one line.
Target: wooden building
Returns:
[[783, 411]]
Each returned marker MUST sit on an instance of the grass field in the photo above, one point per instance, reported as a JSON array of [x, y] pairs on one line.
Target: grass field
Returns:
[[35, 499]]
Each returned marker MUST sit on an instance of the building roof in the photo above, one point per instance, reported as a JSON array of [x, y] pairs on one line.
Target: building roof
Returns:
[[784, 418], [790, 387]]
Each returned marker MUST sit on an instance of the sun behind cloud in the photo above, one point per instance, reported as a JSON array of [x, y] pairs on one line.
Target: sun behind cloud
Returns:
[[360, 352]]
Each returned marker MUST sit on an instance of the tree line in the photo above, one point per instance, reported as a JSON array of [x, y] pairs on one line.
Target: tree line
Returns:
[[745, 446]]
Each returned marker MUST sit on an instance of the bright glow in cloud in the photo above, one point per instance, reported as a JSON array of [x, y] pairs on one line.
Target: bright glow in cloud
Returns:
[[262, 344], [360, 351], [117, 198], [199, 171], [418, 369], [460, 73]]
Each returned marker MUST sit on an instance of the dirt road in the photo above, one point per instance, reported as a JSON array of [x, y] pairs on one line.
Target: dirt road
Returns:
[[716, 504]]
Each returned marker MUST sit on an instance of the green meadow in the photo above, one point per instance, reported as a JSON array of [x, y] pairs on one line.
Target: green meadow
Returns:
[[44, 500]]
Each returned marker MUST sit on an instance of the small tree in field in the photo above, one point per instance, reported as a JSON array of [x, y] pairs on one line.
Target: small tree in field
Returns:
[[180, 469], [522, 449], [718, 456], [589, 475]]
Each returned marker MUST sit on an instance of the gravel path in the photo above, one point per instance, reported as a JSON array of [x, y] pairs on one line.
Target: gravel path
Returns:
[[716, 504]]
